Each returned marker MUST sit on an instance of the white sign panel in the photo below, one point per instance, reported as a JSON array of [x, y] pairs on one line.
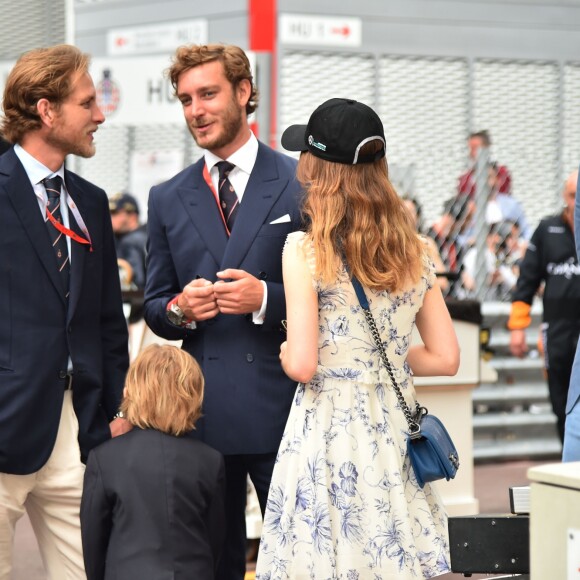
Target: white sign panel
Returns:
[[156, 38], [320, 30], [148, 168], [135, 91]]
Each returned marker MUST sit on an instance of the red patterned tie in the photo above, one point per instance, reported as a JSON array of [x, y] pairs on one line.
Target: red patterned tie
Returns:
[[228, 198], [53, 186]]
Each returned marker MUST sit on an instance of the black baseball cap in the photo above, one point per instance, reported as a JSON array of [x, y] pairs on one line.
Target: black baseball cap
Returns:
[[336, 131], [123, 202]]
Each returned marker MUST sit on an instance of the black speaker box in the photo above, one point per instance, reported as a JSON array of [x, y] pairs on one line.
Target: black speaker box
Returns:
[[490, 544]]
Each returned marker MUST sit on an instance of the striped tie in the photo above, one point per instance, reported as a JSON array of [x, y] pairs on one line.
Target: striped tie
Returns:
[[53, 186], [228, 198]]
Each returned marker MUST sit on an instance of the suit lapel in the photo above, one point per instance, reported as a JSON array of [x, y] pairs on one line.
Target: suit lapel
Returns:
[[263, 190], [26, 206], [201, 207], [78, 251]]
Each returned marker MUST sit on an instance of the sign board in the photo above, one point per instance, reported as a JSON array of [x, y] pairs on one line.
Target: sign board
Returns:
[[156, 38], [319, 30], [148, 168], [135, 91]]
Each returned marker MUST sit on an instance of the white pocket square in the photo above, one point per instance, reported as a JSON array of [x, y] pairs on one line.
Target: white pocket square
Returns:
[[281, 220]]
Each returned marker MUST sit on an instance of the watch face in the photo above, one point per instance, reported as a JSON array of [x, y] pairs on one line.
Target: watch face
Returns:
[[175, 315]]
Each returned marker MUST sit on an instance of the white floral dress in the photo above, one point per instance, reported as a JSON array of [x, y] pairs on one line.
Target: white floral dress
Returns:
[[344, 502]]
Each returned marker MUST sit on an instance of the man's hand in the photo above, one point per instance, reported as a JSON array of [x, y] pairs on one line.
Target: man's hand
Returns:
[[119, 426], [242, 295], [518, 343], [198, 301]]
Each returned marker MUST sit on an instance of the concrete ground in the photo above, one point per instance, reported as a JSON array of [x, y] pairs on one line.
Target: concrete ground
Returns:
[[492, 482]]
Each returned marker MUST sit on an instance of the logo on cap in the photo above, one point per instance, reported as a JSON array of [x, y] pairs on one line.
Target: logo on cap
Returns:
[[314, 143]]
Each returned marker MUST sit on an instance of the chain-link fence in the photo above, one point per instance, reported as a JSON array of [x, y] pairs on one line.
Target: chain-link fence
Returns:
[[481, 234]]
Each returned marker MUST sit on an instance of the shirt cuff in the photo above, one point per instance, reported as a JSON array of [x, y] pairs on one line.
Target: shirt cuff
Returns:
[[258, 316]]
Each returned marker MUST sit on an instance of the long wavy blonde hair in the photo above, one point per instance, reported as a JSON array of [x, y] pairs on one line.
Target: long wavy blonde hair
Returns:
[[354, 210]]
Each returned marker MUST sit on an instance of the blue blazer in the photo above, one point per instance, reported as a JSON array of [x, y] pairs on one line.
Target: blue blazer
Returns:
[[247, 395], [38, 331]]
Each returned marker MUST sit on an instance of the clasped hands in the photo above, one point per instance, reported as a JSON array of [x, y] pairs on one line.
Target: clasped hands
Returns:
[[236, 292]]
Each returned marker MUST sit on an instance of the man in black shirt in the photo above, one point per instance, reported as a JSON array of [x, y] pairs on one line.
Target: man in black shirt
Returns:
[[551, 259]]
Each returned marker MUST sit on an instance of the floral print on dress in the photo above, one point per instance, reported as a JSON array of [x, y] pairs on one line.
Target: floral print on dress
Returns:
[[344, 503]]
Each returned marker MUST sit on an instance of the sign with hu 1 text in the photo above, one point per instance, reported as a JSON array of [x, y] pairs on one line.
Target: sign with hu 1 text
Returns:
[[320, 30]]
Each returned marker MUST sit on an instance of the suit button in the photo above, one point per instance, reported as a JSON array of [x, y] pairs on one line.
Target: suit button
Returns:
[[250, 357], [62, 375], [262, 276]]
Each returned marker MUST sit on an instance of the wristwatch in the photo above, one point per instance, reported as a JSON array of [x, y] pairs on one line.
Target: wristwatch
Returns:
[[175, 315]]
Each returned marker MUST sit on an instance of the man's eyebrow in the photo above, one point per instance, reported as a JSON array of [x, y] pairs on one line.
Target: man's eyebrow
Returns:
[[201, 89]]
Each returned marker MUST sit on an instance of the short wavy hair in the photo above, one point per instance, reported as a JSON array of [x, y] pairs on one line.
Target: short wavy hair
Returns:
[[42, 73], [163, 390], [234, 59]]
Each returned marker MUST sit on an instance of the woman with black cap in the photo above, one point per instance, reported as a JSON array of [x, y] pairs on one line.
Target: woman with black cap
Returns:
[[344, 501]]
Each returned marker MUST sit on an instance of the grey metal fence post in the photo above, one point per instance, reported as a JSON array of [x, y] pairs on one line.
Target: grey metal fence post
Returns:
[[482, 191]]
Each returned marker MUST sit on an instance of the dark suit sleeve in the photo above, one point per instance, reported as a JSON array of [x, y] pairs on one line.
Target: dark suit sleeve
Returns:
[[217, 515], [114, 332], [162, 282], [96, 521], [276, 306]]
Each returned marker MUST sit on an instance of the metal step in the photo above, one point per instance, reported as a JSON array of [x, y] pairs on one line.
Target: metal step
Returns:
[[501, 393], [513, 417], [500, 363], [512, 420], [492, 309], [500, 338], [537, 447]]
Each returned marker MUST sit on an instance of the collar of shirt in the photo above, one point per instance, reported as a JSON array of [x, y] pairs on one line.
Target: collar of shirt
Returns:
[[36, 172], [244, 159]]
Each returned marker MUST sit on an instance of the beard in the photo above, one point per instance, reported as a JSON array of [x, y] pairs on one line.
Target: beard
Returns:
[[232, 123], [64, 140]]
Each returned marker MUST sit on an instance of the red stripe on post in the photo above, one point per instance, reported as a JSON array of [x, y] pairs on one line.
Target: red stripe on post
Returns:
[[262, 23]]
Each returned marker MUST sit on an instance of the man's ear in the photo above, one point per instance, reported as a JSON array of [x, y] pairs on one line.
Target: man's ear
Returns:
[[244, 91], [46, 111]]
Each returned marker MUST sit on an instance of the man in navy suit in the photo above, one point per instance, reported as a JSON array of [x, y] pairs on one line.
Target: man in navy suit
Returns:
[[571, 450], [217, 283], [63, 335]]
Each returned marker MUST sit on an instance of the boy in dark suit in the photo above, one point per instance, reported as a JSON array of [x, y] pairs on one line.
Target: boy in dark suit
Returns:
[[153, 503]]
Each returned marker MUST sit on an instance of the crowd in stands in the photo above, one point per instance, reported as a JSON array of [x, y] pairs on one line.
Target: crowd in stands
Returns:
[[500, 230]]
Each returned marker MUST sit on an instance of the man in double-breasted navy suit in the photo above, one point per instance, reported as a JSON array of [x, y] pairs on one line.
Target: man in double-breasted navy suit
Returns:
[[214, 277], [63, 335]]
